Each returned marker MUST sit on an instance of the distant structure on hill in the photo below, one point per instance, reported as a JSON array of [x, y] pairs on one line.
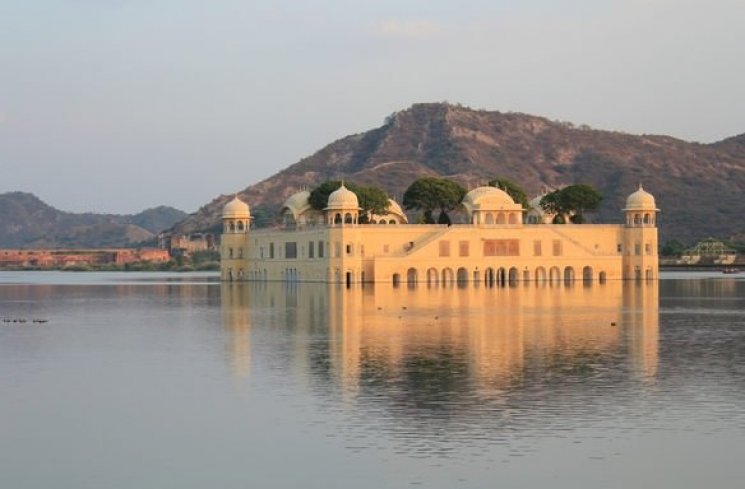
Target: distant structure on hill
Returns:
[[497, 246], [709, 251], [186, 244]]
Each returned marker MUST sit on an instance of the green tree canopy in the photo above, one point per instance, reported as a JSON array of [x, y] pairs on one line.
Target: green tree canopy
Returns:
[[513, 190], [372, 200], [573, 200], [673, 248], [431, 193]]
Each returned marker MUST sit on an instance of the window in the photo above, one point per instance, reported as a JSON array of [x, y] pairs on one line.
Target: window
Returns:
[[230, 252], [648, 249], [464, 248], [320, 249], [386, 248], [444, 248], [537, 248], [240, 252], [337, 249], [290, 249], [619, 248], [557, 248], [637, 249], [311, 249], [261, 252], [349, 249], [501, 247], [271, 251]]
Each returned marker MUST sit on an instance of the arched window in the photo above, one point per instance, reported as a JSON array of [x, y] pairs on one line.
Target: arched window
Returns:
[[240, 226], [489, 218], [500, 218], [348, 218], [337, 218], [232, 227], [513, 218]]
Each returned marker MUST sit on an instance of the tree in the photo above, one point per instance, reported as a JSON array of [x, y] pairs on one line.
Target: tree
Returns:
[[513, 190], [572, 201], [673, 248], [372, 200], [431, 193]]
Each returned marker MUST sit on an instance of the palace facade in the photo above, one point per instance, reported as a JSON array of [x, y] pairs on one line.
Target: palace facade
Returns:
[[499, 245]]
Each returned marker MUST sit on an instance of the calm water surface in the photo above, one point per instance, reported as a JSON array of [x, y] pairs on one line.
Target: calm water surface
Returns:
[[157, 380]]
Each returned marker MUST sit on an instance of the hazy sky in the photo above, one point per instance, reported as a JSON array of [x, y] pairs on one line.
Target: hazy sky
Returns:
[[119, 105]]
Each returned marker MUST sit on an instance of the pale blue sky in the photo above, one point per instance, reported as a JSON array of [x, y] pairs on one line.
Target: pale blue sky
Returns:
[[118, 105]]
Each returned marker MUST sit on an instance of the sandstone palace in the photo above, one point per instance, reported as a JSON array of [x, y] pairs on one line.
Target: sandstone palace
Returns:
[[503, 243]]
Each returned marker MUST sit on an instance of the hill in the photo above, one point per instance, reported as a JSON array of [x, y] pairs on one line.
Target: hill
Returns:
[[699, 187], [28, 222]]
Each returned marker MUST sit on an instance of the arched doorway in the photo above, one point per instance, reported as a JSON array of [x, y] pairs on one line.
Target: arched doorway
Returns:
[[432, 277], [411, 276], [568, 274], [554, 274], [447, 276], [462, 276], [540, 274], [501, 277], [396, 279], [489, 277], [587, 274], [513, 276]]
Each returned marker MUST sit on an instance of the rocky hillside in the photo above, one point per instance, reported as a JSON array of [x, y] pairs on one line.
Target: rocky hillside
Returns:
[[27, 222], [699, 187]]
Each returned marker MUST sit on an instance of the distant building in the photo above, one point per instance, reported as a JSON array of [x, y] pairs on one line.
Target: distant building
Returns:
[[709, 251], [496, 247], [186, 244]]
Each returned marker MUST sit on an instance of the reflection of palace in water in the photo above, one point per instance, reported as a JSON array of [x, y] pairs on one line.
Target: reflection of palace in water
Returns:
[[494, 338]]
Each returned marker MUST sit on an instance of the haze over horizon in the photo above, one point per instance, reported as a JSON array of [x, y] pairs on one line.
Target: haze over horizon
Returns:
[[120, 105]]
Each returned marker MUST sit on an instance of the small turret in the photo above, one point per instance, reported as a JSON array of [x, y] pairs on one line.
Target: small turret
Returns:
[[342, 207], [641, 210], [236, 216]]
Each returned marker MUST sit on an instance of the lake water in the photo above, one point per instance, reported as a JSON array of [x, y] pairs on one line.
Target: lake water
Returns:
[[176, 381]]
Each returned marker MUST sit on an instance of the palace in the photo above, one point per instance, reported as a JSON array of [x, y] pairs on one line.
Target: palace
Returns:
[[498, 246]]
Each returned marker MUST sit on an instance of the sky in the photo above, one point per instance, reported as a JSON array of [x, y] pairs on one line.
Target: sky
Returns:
[[120, 105]]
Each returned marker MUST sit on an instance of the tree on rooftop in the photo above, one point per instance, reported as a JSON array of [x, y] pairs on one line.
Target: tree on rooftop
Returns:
[[573, 201], [513, 190], [430, 193], [372, 200]]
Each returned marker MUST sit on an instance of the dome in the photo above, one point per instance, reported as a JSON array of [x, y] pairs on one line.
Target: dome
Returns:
[[489, 198], [236, 209], [343, 199], [640, 200], [394, 208], [297, 203]]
